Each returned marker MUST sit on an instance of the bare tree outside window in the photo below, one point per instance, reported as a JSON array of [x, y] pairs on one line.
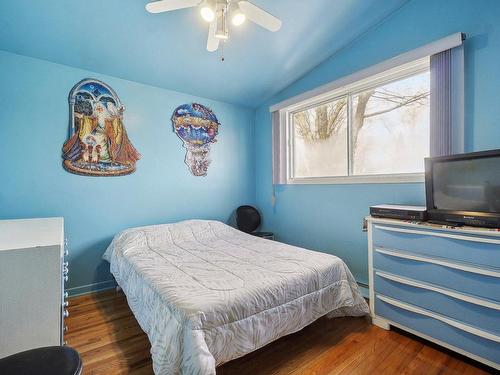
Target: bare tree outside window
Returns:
[[320, 140], [321, 122], [389, 131], [390, 127]]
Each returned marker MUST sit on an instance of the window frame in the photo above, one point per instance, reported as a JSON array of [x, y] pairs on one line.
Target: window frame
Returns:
[[348, 91]]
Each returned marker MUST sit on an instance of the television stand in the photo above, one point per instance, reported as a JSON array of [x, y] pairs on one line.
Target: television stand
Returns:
[[446, 223]]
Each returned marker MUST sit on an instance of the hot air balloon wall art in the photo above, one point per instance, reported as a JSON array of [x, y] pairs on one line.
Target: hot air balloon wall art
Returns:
[[197, 127], [98, 143]]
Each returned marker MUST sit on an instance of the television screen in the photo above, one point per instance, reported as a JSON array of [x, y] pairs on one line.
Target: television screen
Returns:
[[467, 185]]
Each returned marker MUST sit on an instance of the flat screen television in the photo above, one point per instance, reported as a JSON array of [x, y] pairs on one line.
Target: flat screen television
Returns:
[[464, 189]]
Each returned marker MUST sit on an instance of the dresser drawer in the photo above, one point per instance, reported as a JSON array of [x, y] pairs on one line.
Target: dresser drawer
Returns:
[[462, 247], [447, 302], [452, 332], [484, 283]]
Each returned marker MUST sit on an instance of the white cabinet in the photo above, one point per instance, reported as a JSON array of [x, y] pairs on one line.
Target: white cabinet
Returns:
[[32, 272]]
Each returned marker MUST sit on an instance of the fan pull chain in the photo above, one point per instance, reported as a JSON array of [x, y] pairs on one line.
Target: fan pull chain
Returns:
[[222, 59]]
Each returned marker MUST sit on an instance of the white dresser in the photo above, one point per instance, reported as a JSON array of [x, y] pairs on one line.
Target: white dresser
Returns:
[[32, 276], [439, 283]]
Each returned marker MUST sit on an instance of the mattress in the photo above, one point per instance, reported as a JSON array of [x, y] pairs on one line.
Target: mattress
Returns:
[[206, 293]]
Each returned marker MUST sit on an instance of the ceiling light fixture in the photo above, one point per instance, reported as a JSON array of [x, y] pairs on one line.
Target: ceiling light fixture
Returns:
[[217, 12], [222, 31], [207, 11], [238, 18]]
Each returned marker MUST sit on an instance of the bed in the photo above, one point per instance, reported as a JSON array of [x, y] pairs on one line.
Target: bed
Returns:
[[206, 293]]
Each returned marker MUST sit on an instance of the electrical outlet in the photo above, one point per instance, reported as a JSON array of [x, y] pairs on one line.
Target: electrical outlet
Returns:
[[364, 227]]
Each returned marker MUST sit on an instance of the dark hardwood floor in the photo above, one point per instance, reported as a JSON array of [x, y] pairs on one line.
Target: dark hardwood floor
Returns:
[[102, 328]]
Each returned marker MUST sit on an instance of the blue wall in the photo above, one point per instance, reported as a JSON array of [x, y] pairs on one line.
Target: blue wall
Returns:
[[328, 217], [34, 126]]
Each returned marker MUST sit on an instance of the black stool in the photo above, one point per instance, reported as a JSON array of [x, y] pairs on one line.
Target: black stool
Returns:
[[248, 220], [51, 360]]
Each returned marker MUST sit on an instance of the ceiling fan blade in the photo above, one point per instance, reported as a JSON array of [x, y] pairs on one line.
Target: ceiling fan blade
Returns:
[[168, 5], [212, 42], [260, 16]]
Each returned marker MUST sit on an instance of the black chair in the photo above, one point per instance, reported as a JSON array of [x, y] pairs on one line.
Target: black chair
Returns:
[[51, 360], [248, 220]]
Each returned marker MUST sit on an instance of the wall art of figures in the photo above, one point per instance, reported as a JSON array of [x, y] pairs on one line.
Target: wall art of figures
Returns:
[[197, 126], [98, 143]]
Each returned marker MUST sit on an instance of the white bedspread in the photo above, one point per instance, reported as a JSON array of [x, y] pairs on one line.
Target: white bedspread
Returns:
[[206, 293]]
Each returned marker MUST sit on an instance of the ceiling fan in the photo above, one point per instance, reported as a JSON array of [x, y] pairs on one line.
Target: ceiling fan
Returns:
[[217, 13]]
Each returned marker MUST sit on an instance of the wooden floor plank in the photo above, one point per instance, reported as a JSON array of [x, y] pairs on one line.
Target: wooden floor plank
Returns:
[[103, 334], [103, 329]]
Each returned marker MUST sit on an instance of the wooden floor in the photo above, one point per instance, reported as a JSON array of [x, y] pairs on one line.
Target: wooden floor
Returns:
[[102, 328]]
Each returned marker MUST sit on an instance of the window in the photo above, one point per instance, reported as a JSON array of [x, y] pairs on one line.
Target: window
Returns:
[[374, 129]]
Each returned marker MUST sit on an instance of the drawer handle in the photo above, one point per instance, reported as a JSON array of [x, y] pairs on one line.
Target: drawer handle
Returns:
[[438, 234], [65, 313], [441, 318], [434, 288], [440, 262]]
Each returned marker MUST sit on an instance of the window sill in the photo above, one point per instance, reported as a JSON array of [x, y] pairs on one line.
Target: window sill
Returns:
[[366, 179]]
